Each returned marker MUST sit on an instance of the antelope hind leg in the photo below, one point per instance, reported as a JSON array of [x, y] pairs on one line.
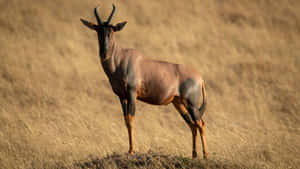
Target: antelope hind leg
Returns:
[[194, 112], [178, 104]]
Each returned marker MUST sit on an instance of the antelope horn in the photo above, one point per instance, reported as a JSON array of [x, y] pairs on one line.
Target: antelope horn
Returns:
[[112, 13], [97, 16]]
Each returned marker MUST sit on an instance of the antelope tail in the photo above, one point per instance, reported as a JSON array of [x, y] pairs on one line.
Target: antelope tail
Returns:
[[203, 106]]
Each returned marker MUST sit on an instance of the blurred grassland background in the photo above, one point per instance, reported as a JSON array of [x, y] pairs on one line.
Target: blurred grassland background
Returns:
[[56, 104]]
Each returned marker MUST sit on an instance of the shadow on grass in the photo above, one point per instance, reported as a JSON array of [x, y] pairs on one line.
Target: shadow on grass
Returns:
[[152, 161]]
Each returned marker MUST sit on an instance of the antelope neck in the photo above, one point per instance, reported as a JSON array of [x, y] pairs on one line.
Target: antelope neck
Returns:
[[110, 58]]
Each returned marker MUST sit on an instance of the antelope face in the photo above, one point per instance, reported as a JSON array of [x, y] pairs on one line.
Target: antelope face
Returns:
[[104, 30]]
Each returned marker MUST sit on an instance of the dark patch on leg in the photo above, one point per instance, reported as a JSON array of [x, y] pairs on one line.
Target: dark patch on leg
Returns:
[[178, 104], [124, 105], [131, 100], [194, 113], [186, 118]]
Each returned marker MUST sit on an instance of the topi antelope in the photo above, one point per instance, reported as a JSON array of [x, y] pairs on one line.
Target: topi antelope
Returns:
[[132, 76]]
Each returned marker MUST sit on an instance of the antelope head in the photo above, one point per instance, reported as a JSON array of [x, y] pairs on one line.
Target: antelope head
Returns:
[[104, 30]]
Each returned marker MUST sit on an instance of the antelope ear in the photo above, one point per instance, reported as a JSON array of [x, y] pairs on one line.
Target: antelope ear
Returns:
[[119, 26], [88, 24]]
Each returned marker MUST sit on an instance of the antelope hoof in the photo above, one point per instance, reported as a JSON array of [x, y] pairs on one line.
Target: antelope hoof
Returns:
[[195, 154], [131, 152], [205, 156]]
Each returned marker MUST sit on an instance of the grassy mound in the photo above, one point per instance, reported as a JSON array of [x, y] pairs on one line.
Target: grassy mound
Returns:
[[154, 161]]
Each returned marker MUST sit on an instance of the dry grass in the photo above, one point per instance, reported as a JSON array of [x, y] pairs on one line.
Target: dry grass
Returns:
[[56, 105]]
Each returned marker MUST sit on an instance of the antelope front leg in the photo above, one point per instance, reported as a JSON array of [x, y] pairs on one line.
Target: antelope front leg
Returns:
[[128, 107], [129, 124], [130, 119]]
